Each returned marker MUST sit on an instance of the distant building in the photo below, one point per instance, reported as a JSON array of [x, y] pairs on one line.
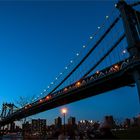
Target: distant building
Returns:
[[136, 121], [58, 122], [108, 122], [39, 126], [71, 121], [127, 123], [26, 128]]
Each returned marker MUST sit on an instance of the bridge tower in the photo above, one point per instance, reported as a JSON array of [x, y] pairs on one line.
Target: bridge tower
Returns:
[[7, 109], [131, 23]]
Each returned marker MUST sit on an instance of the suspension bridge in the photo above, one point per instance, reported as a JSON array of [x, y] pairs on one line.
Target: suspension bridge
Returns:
[[112, 62]]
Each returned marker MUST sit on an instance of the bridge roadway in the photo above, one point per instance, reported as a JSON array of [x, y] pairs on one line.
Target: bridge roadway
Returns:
[[113, 77]]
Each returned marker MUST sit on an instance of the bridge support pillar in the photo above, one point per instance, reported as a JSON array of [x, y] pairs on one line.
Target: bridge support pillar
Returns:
[[12, 126], [131, 23], [136, 75]]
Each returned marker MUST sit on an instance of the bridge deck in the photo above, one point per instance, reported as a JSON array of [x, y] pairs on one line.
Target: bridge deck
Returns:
[[119, 78]]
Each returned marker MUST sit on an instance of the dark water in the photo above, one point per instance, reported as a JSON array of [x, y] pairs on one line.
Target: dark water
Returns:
[[11, 138]]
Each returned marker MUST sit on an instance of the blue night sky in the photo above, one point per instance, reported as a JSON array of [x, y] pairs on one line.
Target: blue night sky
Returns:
[[37, 40]]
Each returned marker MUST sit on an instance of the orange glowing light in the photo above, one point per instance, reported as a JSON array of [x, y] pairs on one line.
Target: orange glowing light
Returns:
[[65, 89], [97, 72], [48, 97], [116, 67], [78, 84], [40, 100]]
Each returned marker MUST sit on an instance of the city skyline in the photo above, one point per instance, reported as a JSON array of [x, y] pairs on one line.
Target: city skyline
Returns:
[[38, 39]]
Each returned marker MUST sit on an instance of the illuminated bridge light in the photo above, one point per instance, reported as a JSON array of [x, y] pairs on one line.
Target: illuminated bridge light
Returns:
[[77, 54], [40, 101], [91, 37], [84, 46], [65, 89], [124, 51], [97, 72], [48, 97], [78, 84], [116, 67], [107, 17]]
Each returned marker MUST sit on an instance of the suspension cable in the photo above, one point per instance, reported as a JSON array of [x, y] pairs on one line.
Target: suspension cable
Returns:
[[135, 4], [90, 51], [109, 51]]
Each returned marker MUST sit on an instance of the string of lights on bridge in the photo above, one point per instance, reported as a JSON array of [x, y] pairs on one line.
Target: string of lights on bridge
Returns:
[[99, 74], [71, 62]]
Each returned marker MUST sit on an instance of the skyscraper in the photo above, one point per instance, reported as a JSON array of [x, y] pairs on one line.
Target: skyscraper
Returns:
[[58, 122], [71, 121]]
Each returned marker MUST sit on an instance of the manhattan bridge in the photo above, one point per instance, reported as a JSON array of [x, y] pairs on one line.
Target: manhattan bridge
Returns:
[[115, 64]]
